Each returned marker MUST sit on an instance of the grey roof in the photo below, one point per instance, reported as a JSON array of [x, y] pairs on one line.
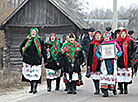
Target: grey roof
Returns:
[[103, 20], [69, 12], [63, 7]]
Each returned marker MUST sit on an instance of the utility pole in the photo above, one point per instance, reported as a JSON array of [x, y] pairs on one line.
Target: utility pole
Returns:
[[114, 26]]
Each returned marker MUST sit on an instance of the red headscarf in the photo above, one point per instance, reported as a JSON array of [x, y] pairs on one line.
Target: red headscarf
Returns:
[[96, 44], [52, 34], [94, 39], [124, 42]]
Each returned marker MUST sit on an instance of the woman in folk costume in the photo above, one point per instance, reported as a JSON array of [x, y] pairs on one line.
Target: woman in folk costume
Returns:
[[93, 62], [124, 75], [53, 68], [108, 77], [73, 58], [32, 49]]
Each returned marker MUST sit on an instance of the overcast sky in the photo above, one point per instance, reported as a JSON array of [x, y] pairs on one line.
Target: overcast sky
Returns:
[[109, 3]]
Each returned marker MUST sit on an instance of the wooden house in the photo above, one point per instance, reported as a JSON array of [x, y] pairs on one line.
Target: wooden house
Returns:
[[47, 15]]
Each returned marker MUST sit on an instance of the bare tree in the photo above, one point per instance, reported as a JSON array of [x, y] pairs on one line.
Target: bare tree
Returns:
[[130, 14], [79, 6], [101, 14]]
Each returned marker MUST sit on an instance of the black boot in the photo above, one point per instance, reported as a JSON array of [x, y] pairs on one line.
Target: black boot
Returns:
[[105, 93], [67, 87], [57, 83], [96, 83], [114, 92], [49, 85], [34, 87], [121, 88], [125, 88], [70, 88], [74, 88], [31, 87]]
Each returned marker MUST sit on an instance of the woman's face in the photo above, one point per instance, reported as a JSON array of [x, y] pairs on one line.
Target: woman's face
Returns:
[[72, 40], [106, 38], [123, 34], [97, 36], [117, 35], [53, 38], [33, 33]]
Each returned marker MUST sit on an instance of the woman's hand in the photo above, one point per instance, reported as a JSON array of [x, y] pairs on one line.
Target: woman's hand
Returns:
[[101, 58], [23, 49], [57, 64], [48, 49], [72, 65], [88, 66], [116, 57]]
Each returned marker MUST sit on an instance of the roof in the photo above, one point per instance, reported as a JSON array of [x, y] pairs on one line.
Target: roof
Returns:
[[62, 6], [104, 20]]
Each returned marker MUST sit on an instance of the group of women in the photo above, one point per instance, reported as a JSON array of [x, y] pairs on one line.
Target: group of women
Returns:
[[59, 60], [65, 60], [107, 72]]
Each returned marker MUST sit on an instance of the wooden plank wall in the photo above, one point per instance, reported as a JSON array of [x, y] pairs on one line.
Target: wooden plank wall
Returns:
[[18, 34], [39, 13]]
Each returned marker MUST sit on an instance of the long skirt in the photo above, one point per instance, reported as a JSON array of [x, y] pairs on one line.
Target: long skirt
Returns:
[[75, 77], [108, 82], [31, 73], [53, 74], [124, 75], [80, 81], [95, 75]]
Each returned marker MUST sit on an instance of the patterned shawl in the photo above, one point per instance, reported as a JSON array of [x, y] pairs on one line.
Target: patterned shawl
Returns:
[[71, 49], [96, 44], [55, 49], [124, 42], [35, 40]]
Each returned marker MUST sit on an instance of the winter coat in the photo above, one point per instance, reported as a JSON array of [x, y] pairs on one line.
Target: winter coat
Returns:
[[31, 56], [85, 43]]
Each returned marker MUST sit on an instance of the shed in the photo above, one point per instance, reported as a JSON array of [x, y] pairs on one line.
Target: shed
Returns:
[[47, 15]]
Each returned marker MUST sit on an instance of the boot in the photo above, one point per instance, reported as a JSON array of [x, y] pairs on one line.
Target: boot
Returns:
[[114, 92], [125, 88], [49, 85], [96, 83], [34, 87], [121, 88], [31, 87], [57, 83], [105, 93], [70, 88], [67, 87], [74, 88]]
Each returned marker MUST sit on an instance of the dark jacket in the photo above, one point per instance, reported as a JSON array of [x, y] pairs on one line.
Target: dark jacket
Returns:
[[67, 65], [31, 55], [85, 43], [130, 51], [136, 49], [52, 64], [91, 59]]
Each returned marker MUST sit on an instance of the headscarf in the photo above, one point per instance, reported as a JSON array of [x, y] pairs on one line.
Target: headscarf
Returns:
[[71, 49], [35, 40], [124, 42], [96, 44], [55, 49]]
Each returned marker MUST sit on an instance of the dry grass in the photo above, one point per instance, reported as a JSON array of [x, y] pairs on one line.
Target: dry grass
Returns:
[[2, 39], [12, 80]]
